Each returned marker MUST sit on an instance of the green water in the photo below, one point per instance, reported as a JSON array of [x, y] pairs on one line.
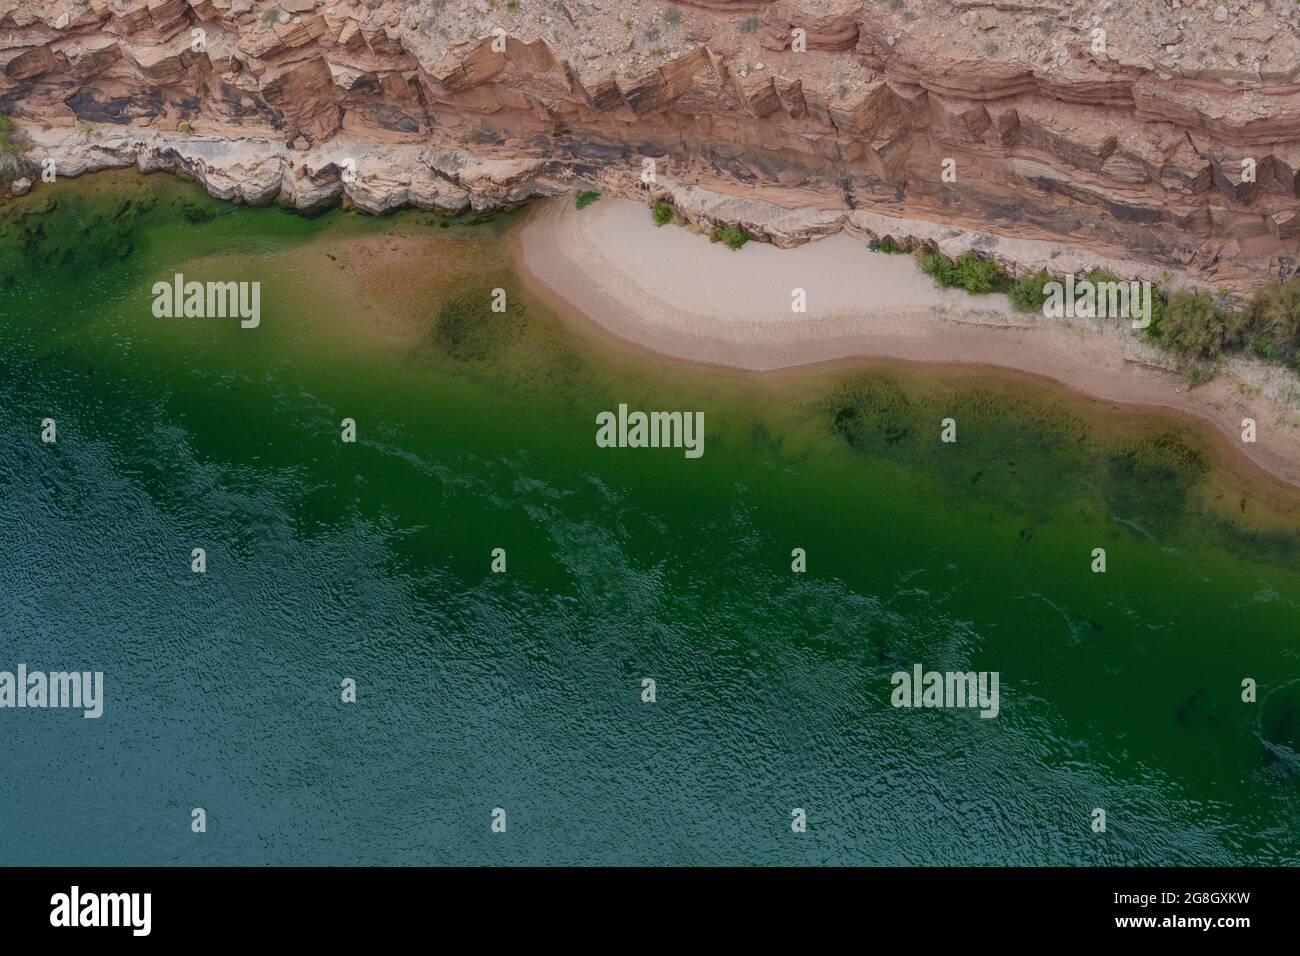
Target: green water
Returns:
[[523, 690]]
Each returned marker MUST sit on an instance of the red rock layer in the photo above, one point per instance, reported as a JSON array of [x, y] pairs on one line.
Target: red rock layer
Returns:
[[1105, 152]]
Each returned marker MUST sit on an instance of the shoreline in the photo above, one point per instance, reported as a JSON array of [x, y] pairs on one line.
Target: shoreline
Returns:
[[670, 291]]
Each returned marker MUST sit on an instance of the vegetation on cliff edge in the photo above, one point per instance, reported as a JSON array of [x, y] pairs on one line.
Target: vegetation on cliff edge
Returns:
[[1198, 327]]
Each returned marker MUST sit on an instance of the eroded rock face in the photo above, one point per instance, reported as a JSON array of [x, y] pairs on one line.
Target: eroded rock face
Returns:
[[827, 25], [1175, 144]]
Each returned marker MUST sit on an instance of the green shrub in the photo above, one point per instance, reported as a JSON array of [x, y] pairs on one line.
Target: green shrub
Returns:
[[980, 275], [938, 267], [13, 144], [968, 271], [662, 212], [886, 245], [1195, 327], [586, 198], [8, 134], [1264, 347], [1159, 301], [1273, 314], [734, 237], [1098, 276], [1027, 292]]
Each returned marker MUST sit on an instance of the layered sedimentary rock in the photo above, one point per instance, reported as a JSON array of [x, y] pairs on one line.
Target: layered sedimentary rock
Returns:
[[1168, 136]]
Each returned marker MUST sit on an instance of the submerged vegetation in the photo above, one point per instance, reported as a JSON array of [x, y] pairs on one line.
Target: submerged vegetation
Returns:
[[1023, 450], [585, 198]]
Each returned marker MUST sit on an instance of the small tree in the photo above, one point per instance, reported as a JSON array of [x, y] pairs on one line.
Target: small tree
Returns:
[[1028, 292], [1273, 315], [1195, 327]]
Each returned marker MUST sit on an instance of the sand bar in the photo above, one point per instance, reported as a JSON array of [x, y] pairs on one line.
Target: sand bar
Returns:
[[670, 290]]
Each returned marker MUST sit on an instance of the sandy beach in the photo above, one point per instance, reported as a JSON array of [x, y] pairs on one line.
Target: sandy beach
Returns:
[[670, 290]]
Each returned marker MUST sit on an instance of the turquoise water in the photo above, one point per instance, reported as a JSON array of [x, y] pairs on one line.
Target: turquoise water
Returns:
[[522, 690]]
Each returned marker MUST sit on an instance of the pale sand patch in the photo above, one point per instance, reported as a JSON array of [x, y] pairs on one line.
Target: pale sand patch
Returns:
[[670, 290]]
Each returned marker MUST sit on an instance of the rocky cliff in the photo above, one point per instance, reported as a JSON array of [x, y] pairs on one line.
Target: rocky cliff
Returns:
[[1164, 135]]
